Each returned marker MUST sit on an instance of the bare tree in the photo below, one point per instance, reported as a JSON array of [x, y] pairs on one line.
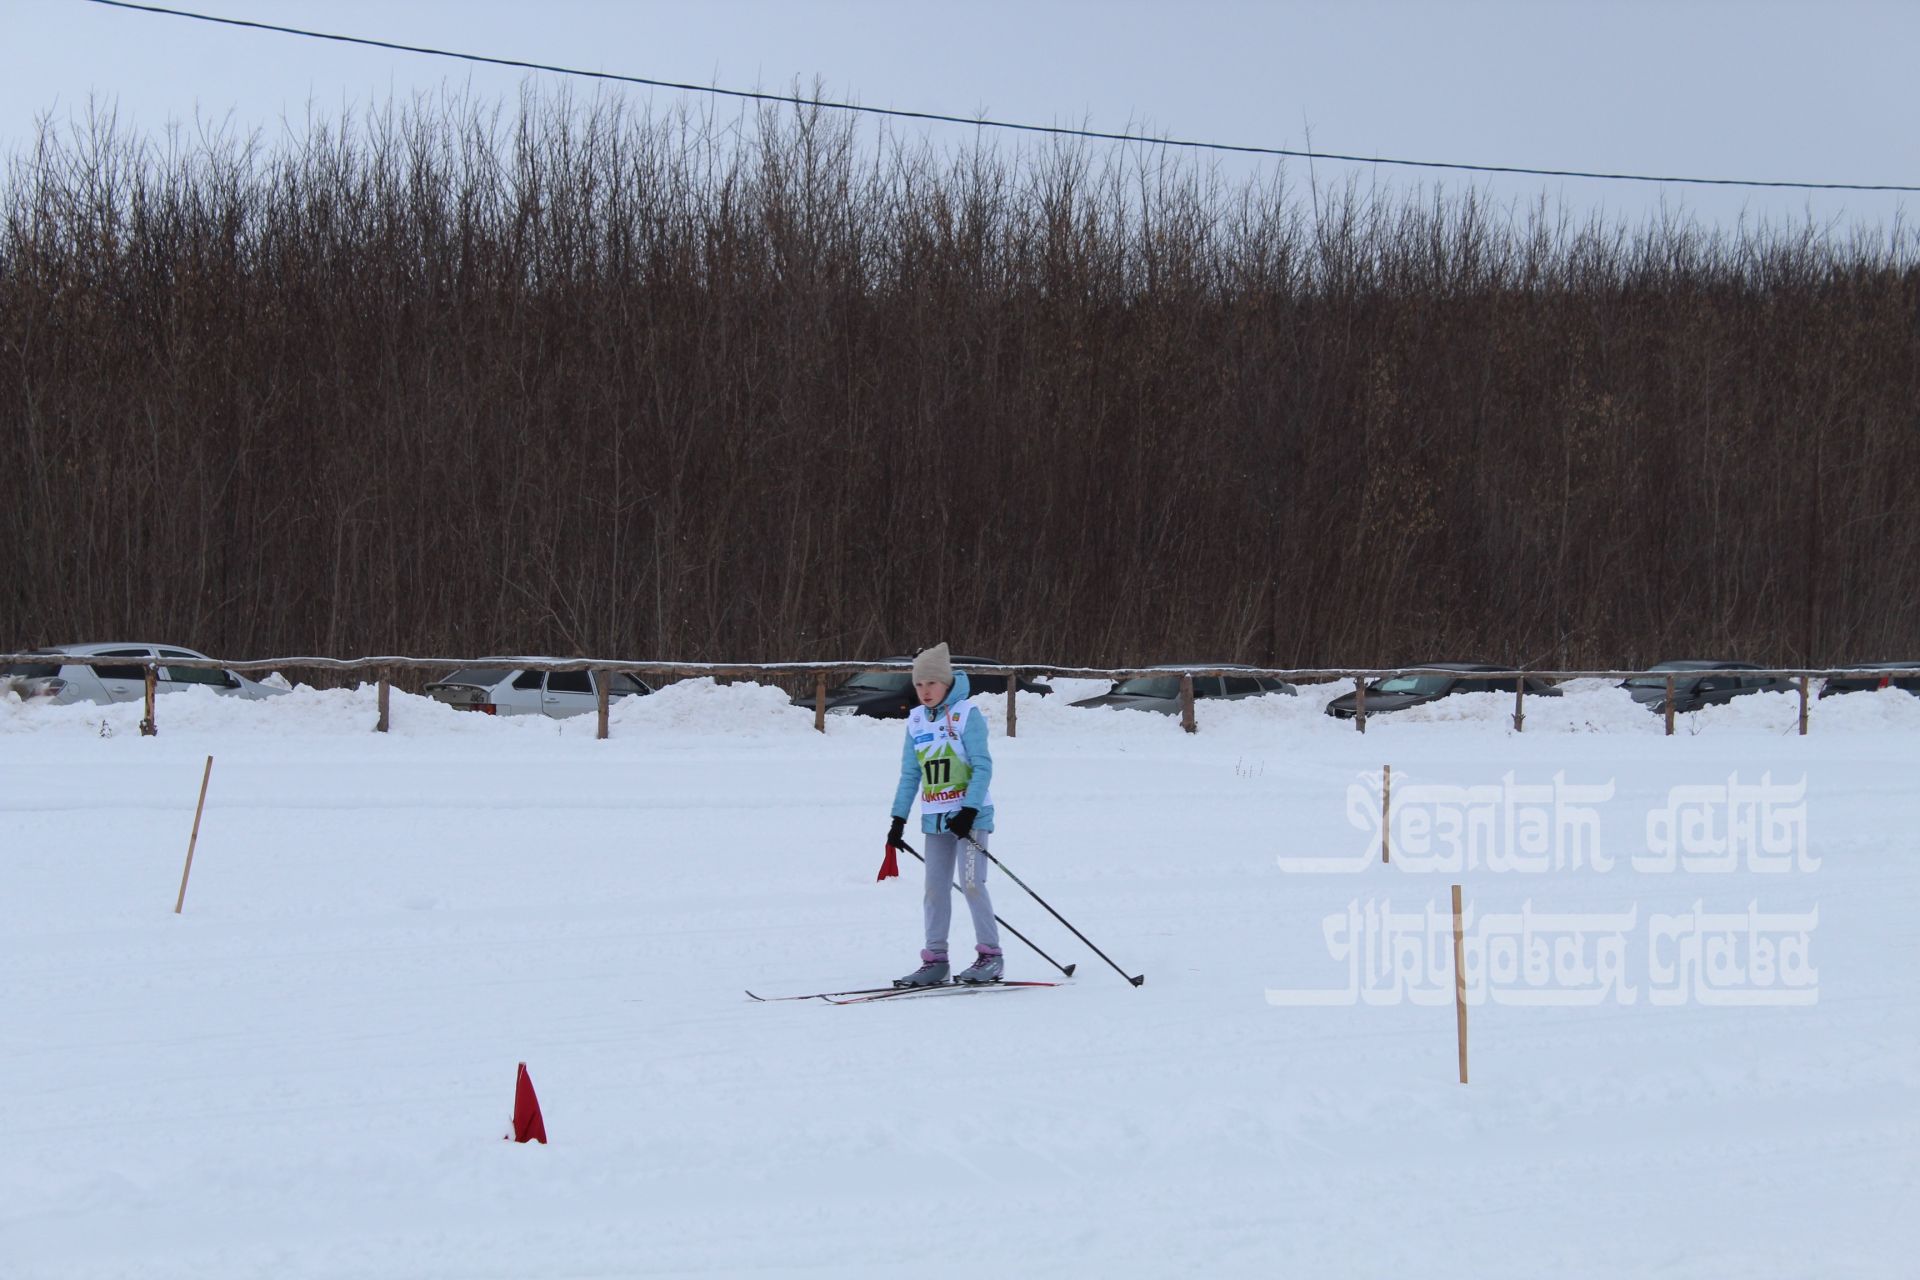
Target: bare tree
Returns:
[[574, 379]]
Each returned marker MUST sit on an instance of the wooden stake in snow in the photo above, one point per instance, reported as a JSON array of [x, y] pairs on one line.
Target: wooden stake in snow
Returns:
[[148, 725], [1460, 983], [194, 839], [1386, 815]]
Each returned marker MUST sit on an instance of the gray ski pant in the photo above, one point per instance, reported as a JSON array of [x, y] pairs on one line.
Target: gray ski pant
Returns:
[[949, 860]]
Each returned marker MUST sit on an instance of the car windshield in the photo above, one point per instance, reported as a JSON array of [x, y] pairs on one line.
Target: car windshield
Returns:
[[1149, 687], [30, 670], [1410, 684], [485, 677], [1659, 682], [884, 681]]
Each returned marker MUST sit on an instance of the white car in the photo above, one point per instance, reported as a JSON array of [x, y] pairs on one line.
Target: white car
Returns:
[[508, 691], [60, 679]]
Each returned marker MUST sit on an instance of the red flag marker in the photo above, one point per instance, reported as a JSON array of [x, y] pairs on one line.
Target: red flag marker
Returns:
[[527, 1124], [890, 868]]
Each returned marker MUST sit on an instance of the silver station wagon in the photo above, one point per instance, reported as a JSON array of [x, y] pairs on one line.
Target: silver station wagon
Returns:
[[509, 691], [54, 676]]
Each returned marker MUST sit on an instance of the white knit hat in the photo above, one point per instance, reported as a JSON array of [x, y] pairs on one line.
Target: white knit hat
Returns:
[[933, 664]]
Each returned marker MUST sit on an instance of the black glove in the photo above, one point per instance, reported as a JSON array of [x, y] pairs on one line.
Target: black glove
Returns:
[[961, 823], [896, 833]]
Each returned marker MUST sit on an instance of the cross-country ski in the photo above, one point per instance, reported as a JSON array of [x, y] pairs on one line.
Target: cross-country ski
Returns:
[[889, 993], [939, 989]]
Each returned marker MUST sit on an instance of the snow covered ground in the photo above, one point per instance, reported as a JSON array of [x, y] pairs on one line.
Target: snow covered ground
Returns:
[[1685, 1071]]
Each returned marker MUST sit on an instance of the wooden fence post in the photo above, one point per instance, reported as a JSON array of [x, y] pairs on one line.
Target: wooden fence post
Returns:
[[1360, 703], [820, 701], [193, 839], [1186, 704], [1669, 706], [386, 684], [1519, 703], [1013, 712], [602, 682], [149, 726], [1460, 983], [1386, 808], [1803, 705]]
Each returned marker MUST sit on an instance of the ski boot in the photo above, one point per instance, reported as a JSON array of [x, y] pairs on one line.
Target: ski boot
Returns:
[[931, 973], [987, 968]]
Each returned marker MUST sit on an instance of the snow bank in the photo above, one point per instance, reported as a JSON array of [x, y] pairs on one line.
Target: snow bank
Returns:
[[308, 1072], [704, 708]]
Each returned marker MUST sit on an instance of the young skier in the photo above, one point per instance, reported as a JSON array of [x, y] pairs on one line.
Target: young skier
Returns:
[[946, 758]]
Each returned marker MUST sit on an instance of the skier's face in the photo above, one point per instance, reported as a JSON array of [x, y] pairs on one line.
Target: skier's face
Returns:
[[930, 691]]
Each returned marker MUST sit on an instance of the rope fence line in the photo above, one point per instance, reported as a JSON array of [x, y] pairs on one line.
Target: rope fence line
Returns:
[[821, 671]]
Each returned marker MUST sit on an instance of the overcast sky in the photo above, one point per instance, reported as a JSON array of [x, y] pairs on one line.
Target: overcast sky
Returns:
[[1813, 92]]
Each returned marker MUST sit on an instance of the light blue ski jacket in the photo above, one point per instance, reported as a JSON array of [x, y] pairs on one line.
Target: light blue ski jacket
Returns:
[[979, 758]]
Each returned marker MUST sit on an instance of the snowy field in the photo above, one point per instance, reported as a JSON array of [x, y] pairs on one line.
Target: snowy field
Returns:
[[1680, 1067]]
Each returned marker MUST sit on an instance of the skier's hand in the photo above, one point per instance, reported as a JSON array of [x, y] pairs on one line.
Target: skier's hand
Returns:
[[961, 823], [896, 833]]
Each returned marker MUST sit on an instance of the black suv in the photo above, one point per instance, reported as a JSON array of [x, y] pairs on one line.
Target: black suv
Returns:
[[1886, 675], [1396, 693], [888, 695], [1692, 691], [1162, 692]]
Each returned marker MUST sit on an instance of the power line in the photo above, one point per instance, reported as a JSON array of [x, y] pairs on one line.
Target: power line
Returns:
[[984, 123]]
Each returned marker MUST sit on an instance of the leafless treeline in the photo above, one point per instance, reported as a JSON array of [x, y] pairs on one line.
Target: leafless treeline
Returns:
[[575, 380]]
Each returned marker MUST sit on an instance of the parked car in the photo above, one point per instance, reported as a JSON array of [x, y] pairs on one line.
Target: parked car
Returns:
[[60, 680], [1882, 675], [888, 695], [1692, 691], [1162, 692], [1397, 693], [519, 691]]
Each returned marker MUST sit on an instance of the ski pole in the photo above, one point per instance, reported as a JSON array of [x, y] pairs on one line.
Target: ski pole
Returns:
[[1135, 980], [1065, 969]]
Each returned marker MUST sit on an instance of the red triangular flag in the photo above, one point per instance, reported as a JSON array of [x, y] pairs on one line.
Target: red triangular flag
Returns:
[[527, 1124], [890, 868]]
